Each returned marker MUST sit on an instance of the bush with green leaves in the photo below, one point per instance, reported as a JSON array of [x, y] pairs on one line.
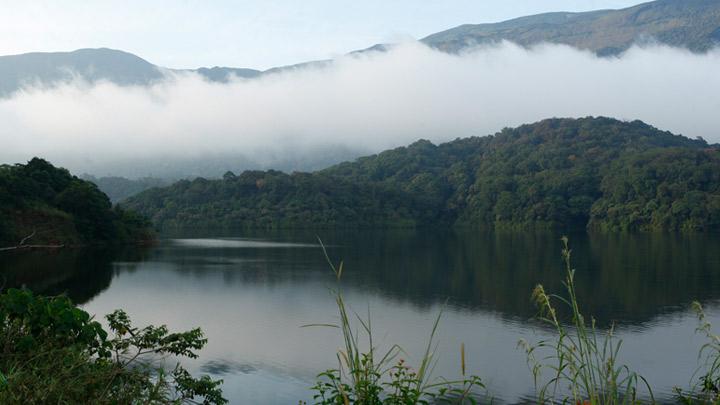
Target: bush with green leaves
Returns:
[[54, 352]]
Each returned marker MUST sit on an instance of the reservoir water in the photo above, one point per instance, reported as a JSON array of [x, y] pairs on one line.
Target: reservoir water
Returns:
[[252, 293]]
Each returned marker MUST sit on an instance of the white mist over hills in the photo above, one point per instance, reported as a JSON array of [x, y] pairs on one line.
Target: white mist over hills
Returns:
[[362, 103]]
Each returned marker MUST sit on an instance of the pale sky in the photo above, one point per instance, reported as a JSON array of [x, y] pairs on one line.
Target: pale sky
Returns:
[[248, 33]]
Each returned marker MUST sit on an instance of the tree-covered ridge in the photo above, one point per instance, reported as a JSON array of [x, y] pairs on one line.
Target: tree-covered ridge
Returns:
[[272, 199], [551, 172], [557, 172], [52, 206], [674, 188]]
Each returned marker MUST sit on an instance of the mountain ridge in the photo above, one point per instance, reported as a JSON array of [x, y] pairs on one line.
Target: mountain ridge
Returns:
[[691, 24]]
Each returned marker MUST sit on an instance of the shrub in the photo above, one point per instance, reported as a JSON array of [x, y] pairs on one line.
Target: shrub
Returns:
[[54, 352]]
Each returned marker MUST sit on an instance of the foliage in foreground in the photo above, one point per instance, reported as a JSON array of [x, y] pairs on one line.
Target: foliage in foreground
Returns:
[[706, 387], [367, 377], [579, 365], [54, 352], [583, 363]]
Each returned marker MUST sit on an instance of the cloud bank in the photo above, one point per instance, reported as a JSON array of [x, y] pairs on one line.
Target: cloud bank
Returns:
[[363, 102]]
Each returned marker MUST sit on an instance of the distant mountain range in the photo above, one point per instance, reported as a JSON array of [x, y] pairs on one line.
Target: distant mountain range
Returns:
[[691, 24], [92, 65]]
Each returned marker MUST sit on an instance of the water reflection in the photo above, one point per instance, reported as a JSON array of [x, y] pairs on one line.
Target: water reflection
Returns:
[[81, 274], [236, 243], [222, 367], [621, 278], [252, 294]]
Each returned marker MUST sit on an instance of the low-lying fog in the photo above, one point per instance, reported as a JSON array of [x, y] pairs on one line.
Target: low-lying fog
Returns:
[[362, 103]]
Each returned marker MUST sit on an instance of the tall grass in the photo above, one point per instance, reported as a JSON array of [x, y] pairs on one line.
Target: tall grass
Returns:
[[583, 362], [706, 384], [366, 376]]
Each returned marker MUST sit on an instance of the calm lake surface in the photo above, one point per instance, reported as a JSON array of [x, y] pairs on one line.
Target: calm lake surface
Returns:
[[252, 293]]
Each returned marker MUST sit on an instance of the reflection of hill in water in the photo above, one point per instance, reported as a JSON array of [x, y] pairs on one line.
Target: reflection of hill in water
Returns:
[[625, 278], [80, 273]]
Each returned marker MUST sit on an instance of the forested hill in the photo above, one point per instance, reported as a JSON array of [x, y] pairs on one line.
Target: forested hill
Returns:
[[42, 204], [592, 172]]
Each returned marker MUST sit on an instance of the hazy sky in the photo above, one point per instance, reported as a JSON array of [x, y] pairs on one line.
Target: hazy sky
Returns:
[[248, 33]]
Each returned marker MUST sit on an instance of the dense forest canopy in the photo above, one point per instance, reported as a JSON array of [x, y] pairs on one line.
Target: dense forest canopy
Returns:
[[590, 172], [56, 207]]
